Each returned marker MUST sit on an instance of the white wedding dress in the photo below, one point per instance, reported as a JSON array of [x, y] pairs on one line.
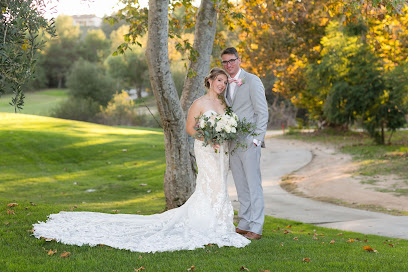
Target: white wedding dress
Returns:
[[206, 218]]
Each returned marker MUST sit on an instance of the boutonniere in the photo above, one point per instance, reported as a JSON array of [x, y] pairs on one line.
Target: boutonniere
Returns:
[[241, 81], [238, 81]]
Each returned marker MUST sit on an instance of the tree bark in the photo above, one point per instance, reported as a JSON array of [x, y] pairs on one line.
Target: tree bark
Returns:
[[205, 28], [179, 177]]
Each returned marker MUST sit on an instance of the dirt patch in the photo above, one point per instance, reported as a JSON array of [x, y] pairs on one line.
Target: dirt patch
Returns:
[[330, 177]]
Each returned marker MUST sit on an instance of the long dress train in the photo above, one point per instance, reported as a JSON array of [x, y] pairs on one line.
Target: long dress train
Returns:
[[206, 218]]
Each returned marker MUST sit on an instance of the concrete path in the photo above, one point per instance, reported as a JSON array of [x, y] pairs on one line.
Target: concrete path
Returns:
[[277, 161]]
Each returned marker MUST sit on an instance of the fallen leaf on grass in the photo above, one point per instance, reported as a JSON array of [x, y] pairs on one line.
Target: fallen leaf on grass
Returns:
[[339, 234], [192, 268], [140, 257], [264, 270], [48, 239], [332, 241], [10, 212], [286, 232], [51, 252], [296, 239], [12, 204], [211, 245], [124, 150], [350, 240], [139, 269], [243, 268], [288, 226], [306, 260], [369, 249], [65, 255], [32, 204]]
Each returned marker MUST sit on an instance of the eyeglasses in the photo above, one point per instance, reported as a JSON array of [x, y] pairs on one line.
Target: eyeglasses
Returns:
[[226, 62]]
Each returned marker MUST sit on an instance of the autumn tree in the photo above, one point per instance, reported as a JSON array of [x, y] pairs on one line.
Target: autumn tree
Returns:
[[283, 38]]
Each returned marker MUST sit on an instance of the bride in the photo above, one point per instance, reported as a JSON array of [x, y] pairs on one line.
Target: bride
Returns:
[[206, 217]]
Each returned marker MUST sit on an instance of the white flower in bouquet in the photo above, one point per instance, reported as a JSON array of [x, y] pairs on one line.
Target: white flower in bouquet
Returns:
[[212, 120], [202, 123], [218, 128]]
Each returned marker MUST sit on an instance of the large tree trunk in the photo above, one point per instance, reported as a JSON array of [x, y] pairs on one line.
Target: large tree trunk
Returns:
[[178, 178], [205, 28]]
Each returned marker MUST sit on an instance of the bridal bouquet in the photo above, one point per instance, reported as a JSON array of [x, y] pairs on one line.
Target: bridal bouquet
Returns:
[[218, 128]]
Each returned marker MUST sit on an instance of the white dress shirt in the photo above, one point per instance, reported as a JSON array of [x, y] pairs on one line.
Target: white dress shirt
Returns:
[[233, 85]]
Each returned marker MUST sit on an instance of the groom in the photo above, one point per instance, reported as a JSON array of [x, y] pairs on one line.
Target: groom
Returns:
[[246, 95]]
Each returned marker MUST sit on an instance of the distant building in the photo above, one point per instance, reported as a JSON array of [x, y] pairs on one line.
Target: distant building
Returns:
[[87, 20]]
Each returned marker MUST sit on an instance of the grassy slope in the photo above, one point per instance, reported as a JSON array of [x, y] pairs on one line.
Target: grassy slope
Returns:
[[47, 164], [37, 103]]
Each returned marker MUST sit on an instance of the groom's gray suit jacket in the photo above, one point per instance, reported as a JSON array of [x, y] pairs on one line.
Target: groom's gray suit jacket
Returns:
[[249, 102]]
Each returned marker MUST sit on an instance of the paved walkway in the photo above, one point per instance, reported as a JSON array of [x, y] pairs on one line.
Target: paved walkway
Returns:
[[278, 161]]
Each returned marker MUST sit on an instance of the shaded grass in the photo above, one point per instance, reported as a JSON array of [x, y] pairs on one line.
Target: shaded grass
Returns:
[[56, 161], [48, 164], [37, 103]]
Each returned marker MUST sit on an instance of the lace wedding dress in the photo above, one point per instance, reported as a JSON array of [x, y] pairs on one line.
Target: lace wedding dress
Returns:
[[206, 218]]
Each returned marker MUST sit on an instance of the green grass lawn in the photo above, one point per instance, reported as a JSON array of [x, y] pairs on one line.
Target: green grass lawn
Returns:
[[47, 165], [37, 103]]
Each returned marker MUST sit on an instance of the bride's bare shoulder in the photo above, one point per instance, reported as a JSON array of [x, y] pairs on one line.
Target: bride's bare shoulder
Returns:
[[198, 103]]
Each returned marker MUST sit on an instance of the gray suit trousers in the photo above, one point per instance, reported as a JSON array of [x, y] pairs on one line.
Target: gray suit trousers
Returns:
[[245, 167]]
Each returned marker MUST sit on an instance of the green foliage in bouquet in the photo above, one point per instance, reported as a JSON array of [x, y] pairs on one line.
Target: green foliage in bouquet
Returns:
[[218, 128]]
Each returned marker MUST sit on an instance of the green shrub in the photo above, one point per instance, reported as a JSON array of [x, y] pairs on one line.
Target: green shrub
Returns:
[[81, 109], [89, 80], [121, 111]]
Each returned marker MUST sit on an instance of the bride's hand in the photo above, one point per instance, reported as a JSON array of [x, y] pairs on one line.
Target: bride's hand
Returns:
[[216, 146]]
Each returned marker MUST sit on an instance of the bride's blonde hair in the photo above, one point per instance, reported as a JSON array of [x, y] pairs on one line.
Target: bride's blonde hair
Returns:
[[214, 72]]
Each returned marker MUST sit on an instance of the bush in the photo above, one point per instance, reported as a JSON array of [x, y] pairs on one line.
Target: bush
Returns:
[[81, 109], [119, 111], [89, 80]]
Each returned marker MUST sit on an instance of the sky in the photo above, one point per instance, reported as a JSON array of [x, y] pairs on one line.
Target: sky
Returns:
[[80, 7]]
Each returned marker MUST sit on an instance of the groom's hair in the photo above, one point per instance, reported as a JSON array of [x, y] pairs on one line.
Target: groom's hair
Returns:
[[230, 51]]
